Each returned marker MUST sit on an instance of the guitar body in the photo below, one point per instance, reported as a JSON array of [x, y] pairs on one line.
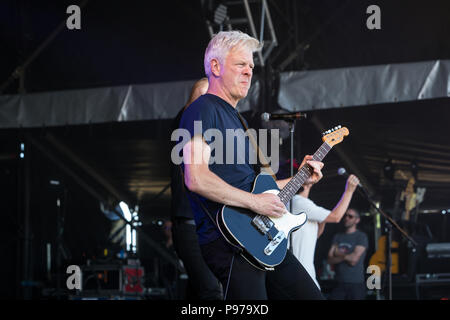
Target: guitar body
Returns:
[[264, 240], [379, 257]]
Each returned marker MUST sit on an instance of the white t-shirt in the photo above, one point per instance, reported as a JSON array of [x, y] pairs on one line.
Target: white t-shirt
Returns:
[[303, 240]]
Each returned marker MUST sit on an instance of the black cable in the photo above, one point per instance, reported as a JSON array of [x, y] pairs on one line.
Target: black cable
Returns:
[[229, 277]]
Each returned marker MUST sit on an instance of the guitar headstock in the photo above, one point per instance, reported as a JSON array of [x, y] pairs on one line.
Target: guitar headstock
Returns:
[[335, 135]]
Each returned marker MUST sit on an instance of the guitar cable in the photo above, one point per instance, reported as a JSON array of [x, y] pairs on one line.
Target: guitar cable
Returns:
[[229, 277]]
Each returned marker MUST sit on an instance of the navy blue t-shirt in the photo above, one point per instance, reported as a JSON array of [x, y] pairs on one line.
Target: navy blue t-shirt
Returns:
[[233, 159]]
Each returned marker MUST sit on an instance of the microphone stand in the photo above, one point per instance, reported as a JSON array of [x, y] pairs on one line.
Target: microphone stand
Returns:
[[291, 133], [291, 123], [389, 222]]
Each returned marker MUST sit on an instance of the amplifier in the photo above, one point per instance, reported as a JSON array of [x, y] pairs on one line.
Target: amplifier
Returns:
[[438, 250], [113, 279], [436, 286]]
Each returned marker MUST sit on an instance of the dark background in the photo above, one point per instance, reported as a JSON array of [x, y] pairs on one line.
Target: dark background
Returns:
[[136, 42]]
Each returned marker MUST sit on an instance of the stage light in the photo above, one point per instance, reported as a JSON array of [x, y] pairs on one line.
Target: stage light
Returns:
[[128, 233], [125, 210], [22, 150]]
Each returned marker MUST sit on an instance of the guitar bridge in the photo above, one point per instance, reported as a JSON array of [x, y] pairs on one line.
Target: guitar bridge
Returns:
[[274, 243], [262, 223]]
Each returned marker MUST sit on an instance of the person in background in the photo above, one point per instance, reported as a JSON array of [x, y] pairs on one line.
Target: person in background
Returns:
[[202, 284], [347, 253], [303, 241]]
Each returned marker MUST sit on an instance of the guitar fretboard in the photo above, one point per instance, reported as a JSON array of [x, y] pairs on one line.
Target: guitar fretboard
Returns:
[[302, 175]]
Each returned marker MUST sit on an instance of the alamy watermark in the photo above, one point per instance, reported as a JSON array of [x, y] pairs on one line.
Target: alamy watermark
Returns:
[[75, 277], [74, 20], [222, 149], [374, 20], [374, 280]]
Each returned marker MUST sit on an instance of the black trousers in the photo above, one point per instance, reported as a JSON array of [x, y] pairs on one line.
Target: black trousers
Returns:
[[242, 281], [202, 284], [348, 291]]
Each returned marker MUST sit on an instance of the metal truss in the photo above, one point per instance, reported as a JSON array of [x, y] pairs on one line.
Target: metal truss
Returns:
[[227, 15]]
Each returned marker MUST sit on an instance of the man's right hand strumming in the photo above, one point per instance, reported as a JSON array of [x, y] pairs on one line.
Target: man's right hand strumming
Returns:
[[267, 204]]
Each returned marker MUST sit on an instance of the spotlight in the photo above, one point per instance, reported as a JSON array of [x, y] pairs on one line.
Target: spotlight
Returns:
[[22, 150]]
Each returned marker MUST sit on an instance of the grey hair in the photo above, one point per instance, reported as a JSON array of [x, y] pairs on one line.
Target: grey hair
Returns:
[[223, 42]]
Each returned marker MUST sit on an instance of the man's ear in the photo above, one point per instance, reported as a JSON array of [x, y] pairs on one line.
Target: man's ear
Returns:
[[215, 67]]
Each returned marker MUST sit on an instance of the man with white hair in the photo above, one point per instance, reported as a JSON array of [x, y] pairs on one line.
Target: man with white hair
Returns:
[[229, 68]]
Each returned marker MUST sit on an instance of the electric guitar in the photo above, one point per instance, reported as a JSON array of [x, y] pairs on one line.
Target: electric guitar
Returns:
[[263, 240]]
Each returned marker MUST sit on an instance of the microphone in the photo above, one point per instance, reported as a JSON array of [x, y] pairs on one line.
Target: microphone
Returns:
[[343, 172], [284, 116]]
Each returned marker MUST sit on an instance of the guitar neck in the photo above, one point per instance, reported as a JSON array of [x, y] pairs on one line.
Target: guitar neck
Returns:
[[302, 175]]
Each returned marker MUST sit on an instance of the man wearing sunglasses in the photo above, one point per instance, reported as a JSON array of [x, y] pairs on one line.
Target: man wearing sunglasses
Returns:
[[347, 253], [303, 240]]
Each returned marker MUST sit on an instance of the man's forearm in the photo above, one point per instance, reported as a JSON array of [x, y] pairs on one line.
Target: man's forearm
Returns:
[[305, 192], [341, 207], [335, 259], [352, 258], [212, 187], [320, 229], [282, 183]]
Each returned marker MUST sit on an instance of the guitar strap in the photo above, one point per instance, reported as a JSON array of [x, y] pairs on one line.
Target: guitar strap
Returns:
[[262, 158], [265, 166]]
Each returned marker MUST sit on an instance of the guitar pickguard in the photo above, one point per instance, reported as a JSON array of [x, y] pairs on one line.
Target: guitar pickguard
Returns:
[[264, 238]]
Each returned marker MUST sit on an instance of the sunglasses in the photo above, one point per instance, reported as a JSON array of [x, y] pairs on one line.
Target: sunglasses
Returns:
[[349, 216]]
